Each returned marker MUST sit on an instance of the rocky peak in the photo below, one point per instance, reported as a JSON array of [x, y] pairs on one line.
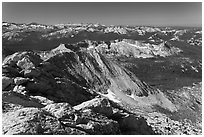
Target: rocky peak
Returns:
[[61, 48]]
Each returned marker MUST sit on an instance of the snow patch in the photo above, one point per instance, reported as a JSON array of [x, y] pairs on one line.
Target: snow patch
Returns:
[[175, 38], [150, 37], [90, 47], [131, 96], [194, 68], [111, 96], [198, 32], [136, 45], [152, 40]]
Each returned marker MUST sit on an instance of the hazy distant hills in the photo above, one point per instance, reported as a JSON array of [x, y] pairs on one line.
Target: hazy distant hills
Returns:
[[35, 36]]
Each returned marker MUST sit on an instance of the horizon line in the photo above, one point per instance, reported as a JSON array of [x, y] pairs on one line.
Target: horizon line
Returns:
[[131, 25]]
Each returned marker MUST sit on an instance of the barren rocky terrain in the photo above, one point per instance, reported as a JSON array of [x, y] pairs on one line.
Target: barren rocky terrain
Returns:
[[85, 79]]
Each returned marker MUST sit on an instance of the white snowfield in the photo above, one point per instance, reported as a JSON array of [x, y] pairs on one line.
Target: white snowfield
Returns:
[[111, 96]]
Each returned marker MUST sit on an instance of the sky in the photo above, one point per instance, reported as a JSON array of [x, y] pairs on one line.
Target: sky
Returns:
[[115, 13]]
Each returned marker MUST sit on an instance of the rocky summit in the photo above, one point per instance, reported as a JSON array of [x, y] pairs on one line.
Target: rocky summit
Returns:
[[85, 88]]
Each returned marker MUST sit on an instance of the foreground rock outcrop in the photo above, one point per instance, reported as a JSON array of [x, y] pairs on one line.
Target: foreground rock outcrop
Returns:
[[75, 89]]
